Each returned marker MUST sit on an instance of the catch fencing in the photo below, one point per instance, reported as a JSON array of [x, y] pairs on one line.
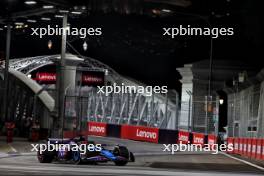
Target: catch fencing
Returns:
[[246, 112], [200, 114]]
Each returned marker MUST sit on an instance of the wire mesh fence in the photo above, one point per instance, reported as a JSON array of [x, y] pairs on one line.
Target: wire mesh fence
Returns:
[[246, 113], [118, 108], [199, 114]]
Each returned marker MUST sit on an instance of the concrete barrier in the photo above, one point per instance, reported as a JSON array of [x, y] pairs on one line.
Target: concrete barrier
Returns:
[[260, 146], [113, 130], [244, 147], [240, 148], [262, 152], [248, 147], [253, 148], [230, 140], [168, 136], [236, 145], [249, 142]]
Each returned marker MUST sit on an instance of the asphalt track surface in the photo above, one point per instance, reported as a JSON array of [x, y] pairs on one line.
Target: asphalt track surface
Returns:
[[150, 160]]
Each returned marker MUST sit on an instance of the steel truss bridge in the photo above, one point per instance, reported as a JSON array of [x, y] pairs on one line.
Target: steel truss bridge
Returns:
[[84, 104]]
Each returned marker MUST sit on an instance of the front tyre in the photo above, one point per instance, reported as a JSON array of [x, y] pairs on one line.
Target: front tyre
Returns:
[[131, 157], [123, 152], [76, 157]]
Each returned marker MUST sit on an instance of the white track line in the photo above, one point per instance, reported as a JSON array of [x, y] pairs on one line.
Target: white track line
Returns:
[[243, 161], [12, 148]]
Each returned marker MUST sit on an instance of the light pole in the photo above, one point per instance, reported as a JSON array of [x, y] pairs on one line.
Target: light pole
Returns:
[[211, 45], [60, 79], [208, 96], [8, 42], [190, 124]]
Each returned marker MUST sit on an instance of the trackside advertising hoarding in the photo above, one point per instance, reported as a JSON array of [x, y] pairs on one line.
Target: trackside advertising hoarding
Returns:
[[198, 138], [212, 139], [45, 77], [93, 78], [97, 128], [259, 148], [253, 148], [248, 147], [236, 145], [140, 133], [183, 137]]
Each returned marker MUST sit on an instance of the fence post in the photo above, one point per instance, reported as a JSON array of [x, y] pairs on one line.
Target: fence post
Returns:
[[166, 111], [217, 117], [189, 113], [206, 115], [176, 111]]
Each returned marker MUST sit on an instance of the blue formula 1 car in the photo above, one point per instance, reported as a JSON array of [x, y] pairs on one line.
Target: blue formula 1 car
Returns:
[[81, 151]]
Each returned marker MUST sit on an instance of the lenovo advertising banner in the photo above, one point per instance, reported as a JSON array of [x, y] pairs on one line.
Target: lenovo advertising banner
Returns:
[[93, 78], [198, 138], [183, 137], [212, 139], [140, 133], [97, 128], [46, 78]]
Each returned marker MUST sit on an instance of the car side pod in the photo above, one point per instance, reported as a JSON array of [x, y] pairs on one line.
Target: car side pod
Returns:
[[108, 155]]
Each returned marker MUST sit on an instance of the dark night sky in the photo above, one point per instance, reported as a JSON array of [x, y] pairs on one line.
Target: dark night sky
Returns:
[[134, 46]]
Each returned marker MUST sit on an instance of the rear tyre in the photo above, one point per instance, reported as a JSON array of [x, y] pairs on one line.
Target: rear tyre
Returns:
[[45, 157], [123, 152]]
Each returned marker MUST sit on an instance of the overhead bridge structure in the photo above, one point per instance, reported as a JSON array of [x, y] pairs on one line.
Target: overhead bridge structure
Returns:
[[29, 98]]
